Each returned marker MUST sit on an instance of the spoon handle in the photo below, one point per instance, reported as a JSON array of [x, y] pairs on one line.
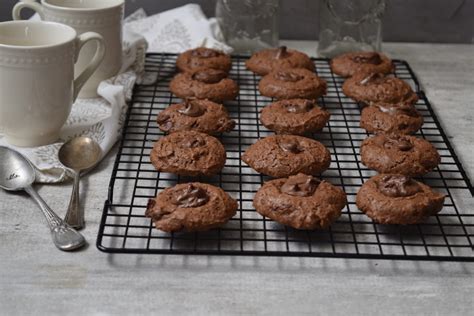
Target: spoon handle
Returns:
[[64, 237], [75, 215]]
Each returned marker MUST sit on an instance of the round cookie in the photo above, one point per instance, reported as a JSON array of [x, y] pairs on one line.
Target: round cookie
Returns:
[[292, 84], [199, 115], [294, 116], [191, 207], [300, 201], [267, 60], [188, 153], [401, 154], [209, 84], [346, 65], [281, 156], [398, 199], [202, 57], [391, 118], [378, 88]]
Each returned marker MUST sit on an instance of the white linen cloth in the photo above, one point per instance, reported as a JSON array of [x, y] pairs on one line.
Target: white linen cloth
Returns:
[[102, 118]]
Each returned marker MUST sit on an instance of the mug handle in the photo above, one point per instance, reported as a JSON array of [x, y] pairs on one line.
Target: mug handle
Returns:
[[94, 63], [35, 6]]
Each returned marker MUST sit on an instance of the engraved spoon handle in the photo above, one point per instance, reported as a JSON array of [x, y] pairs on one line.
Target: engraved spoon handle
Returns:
[[64, 237], [75, 215]]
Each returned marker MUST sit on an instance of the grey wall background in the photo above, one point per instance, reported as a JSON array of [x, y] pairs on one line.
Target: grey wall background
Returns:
[[448, 21]]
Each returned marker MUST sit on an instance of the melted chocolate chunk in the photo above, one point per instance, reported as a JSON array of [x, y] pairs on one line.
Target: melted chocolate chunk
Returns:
[[368, 58], [209, 75], [288, 76], [189, 196], [397, 141], [193, 142], [205, 53], [290, 145], [164, 122], [300, 185], [191, 108], [298, 107], [281, 52], [398, 186], [401, 108]]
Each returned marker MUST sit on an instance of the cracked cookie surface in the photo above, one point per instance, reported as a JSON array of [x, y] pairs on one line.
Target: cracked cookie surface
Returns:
[[199, 115], [268, 60], [300, 201], [400, 154], [191, 207], [398, 199], [188, 153], [349, 64], [294, 116], [283, 155], [292, 84]]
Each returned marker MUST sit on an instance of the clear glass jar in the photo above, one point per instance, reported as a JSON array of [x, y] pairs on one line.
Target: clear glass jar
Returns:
[[350, 25], [248, 25]]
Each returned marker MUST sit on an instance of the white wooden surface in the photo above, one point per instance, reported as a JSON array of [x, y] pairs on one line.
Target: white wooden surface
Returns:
[[35, 278]]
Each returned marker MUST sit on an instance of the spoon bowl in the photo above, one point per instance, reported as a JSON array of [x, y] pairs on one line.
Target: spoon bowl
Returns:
[[78, 154], [17, 173]]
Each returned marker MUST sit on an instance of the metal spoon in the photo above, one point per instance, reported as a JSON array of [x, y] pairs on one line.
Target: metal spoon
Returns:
[[80, 153], [17, 173]]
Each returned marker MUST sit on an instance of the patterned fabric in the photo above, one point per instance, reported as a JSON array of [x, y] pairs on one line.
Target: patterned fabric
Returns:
[[102, 118]]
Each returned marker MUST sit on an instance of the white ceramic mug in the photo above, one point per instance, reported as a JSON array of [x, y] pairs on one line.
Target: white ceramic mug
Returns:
[[100, 16], [37, 85]]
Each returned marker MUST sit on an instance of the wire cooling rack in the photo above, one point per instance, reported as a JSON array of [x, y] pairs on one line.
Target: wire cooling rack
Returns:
[[125, 229]]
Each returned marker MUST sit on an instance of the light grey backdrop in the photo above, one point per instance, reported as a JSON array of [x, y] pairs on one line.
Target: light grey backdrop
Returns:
[[449, 21]]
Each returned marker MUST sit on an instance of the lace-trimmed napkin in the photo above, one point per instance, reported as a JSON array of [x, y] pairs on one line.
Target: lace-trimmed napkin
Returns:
[[102, 118]]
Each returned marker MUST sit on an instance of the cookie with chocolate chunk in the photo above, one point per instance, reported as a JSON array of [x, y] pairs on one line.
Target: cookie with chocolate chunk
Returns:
[[292, 84], [268, 60], [402, 154], [202, 57], [378, 88], [300, 201], [281, 156], [294, 116], [188, 153], [346, 65], [398, 199], [191, 207], [209, 84], [399, 118], [198, 115]]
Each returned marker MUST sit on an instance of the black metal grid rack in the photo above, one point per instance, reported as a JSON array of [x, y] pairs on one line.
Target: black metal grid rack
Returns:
[[124, 228]]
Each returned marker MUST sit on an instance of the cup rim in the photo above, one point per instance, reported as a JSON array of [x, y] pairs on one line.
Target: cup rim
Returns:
[[60, 8], [70, 37]]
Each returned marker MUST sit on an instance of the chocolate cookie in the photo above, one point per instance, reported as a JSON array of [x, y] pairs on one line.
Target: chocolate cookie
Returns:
[[202, 57], [209, 84], [281, 156], [188, 153], [199, 115], [398, 199], [292, 84], [294, 116], [191, 207], [378, 88], [395, 118], [300, 201], [402, 154], [348, 64], [267, 60]]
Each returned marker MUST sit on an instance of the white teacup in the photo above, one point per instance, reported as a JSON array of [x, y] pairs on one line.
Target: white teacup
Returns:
[[100, 16], [37, 85]]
